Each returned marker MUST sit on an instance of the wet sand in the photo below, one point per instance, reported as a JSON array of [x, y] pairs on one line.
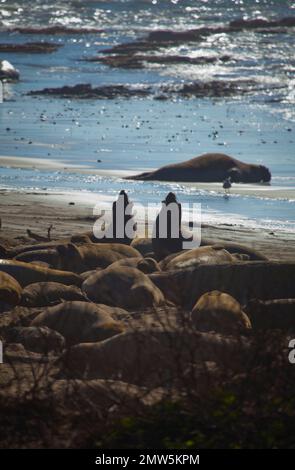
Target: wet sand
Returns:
[[261, 190], [54, 165]]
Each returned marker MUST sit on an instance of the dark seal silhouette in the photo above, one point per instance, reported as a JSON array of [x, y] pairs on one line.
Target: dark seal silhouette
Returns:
[[122, 213], [210, 167], [167, 238]]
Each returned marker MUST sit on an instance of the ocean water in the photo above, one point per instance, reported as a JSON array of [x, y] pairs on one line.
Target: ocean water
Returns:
[[142, 133]]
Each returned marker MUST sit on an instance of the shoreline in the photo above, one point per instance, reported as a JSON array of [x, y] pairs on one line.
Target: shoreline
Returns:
[[72, 213], [53, 165], [258, 190]]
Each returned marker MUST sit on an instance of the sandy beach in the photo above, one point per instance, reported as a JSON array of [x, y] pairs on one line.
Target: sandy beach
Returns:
[[71, 213], [183, 111]]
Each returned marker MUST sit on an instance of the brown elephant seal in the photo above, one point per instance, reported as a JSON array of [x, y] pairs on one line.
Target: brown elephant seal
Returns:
[[196, 256], [41, 294], [171, 290], [143, 245], [48, 256], [220, 312], [102, 395], [145, 265], [272, 314], [10, 289], [27, 273], [8, 252], [37, 339], [12, 252], [236, 248], [122, 287], [81, 322], [248, 280], [81, 239], [210, 167], [152, 356], [163, 247], [87, 257], [86, 274]]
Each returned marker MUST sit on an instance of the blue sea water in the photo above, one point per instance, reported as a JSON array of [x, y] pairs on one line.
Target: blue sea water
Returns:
[[140, 133]]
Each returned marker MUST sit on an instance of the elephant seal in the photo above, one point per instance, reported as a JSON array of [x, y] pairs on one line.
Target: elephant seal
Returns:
[[152, 357], [37, 339], [104, 395], [12, 252], [196, 256], [81, 239], [248, 280], [10, 289], [91, 256], [145, 265], [220, 312], [272, 314], [122, 287], [49, 256], [41, 294], [27, 273], [70, 257], [143, 245], [209, 168], [237, 249], [81, 322]]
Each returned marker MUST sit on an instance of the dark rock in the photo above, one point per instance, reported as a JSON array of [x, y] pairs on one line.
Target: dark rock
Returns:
[[255, 23], [133, 61], [86, 91], [165, 38], [58, 29], [30, 47], [213, 88]]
